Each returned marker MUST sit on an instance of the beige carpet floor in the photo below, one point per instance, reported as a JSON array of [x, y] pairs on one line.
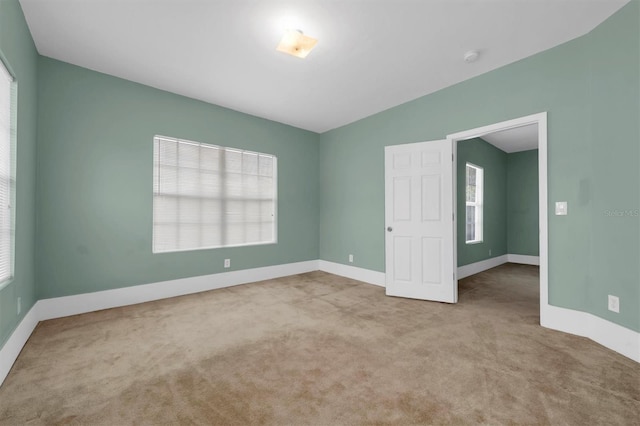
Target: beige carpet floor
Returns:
[[323, 350]]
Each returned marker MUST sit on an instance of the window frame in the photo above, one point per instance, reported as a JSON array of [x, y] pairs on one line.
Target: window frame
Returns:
[[478, 204], [274, 170], [13, 120]]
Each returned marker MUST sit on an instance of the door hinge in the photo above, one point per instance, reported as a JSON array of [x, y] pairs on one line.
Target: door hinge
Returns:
[[452, 157], [453, 216]]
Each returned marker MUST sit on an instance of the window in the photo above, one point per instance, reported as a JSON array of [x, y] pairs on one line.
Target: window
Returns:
[[7, 172], [474, 187], [207, 196]]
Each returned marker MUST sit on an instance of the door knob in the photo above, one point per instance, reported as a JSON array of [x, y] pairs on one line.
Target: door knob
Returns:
[[389, 229]]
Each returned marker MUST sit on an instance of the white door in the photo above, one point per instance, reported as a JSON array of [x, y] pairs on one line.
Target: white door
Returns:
[[419, 205]]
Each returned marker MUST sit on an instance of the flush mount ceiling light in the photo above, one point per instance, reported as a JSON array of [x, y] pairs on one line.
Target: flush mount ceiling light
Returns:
[[297, 44]]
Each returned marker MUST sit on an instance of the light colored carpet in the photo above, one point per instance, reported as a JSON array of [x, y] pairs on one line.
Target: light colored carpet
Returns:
[[324, 350]]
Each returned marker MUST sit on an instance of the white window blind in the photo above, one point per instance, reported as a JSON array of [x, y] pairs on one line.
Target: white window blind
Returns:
[[7, 175], [207, 196]]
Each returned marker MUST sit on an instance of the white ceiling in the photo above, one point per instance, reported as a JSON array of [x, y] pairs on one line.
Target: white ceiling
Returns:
[[517, 139], [371, 54]]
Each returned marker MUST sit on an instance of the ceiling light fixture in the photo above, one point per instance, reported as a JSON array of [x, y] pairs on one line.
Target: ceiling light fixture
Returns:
[[471, 56], [297, 44]]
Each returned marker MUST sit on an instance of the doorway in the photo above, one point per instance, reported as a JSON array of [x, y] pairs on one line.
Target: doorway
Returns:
[[410, 189], [502, 133]]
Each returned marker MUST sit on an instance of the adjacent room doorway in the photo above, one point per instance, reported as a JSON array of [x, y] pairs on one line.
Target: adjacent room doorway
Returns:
[[412, 256], [540, 121]]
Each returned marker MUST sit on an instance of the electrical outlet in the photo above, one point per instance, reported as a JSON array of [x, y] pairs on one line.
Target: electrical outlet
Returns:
[[614, 303], [227, 263], [561, 208], [350, 258], [19, 305]]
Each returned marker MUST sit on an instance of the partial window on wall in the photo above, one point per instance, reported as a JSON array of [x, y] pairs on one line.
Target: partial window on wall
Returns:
[[7, 172], [207, 196], [474, 189]]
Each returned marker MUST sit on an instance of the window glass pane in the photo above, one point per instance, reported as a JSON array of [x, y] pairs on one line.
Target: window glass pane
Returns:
[[471, 184], [470, 232], [265, 165], [471, 194], [210, 158], [211, 212], [188, 236], [470, 223], [211, 235], [249, 163], [209, 196], [188, 156], [233, 185], [165, 209], [166, 152], [210, 184], [232, 161], [188, 182], [165, 236], [471, 175]]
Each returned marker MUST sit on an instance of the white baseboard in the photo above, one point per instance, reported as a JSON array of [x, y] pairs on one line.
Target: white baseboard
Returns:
[[474, 268], [11, 349], [523, 259], [613, 336], [81, 303], [353, 272]]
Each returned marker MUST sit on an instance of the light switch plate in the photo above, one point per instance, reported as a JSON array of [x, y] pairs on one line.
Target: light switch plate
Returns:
[[561, 208]]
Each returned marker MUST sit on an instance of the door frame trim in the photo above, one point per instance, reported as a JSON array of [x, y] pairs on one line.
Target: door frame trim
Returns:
[[541, 120]]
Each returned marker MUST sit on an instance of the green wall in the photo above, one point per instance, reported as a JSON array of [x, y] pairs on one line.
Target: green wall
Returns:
[[18, 51], [522, 203], [590, 89], [494, 235], [95, 182]]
